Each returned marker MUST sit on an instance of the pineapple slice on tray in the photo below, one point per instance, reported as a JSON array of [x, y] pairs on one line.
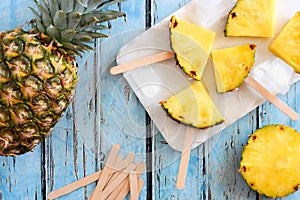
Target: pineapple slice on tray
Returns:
[[193, 106], [287, 44], [232, 65], [38, 70], [253, 18], [271, 161], [192, 45]]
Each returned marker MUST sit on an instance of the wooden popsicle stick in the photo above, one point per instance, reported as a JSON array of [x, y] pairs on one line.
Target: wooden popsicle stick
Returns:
[[140, 187], [142, 62], [112, 156], [121, 165], [74, 186], [133, 183], [123, 188], [272, 98], [119, 159], [115, 182], [185, 157], [126, 187], [168, 54], [106, 172], [124, 191], [118, 189], [124, 163]]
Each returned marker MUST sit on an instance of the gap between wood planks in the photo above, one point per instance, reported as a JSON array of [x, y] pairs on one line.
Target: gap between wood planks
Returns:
[[149, 139]]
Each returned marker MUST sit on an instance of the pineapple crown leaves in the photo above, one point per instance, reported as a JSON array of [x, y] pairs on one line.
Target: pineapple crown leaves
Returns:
[[71, 24]]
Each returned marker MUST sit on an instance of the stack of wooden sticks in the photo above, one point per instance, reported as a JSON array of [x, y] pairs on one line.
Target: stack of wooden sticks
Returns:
[[118, 178]]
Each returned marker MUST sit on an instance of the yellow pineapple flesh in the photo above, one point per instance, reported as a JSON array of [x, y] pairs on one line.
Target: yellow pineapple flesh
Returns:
[[193, 106], [253, 18], [232, 65], [287, 44], [271, 161], [192, 45]]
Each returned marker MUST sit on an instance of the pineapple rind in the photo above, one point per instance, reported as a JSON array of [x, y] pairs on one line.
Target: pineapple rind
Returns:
[[271, 161], [232, 65], [36, 87], [192, 45], [287, 44], [38, 70], [193, 106], [251, 18]]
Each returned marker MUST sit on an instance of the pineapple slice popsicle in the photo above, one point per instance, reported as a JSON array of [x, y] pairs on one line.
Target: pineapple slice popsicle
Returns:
[[193, 106], [251, 18], [192, 45], [287, 44], [232, 65]]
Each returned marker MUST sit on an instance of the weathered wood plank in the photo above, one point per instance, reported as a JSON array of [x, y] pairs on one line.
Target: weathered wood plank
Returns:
[[165, 170], [122, 117], [220, 155], [224, 180], [166, 160], [90, 127], [162, 9], [271, 115], [106, 111], [21, 177]]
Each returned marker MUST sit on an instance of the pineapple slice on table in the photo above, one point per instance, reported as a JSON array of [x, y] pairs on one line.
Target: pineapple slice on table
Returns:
[[253, 18], [232, 65], [191, 44], [193, 106], [287, 44], [38, 70], [271, 161]]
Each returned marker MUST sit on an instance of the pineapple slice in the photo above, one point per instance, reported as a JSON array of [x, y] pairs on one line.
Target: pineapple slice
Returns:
[[192, 45], [253, 18], [287, 44], [232, 65], [271, 161], [193, 106]]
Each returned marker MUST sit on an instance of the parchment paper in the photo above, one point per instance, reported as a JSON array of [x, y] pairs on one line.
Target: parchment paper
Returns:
[[159, 81]]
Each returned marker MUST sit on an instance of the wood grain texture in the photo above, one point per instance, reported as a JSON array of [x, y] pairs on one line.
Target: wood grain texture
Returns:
[[106, 111], [225, 182], [80, 141], [93, 126], [268, 114], [214, 174]]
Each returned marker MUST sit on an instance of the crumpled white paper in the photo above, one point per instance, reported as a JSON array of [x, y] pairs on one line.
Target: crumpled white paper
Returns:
[[159, 81]]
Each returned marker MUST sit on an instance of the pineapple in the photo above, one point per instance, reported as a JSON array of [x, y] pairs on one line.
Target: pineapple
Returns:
[[232, 65], [193, 106], [192, 45], [38, 70], [253, 18], [287, 44], [271, 161]]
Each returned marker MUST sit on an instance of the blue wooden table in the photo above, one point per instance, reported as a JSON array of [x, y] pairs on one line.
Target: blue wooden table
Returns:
[[106, 111]]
